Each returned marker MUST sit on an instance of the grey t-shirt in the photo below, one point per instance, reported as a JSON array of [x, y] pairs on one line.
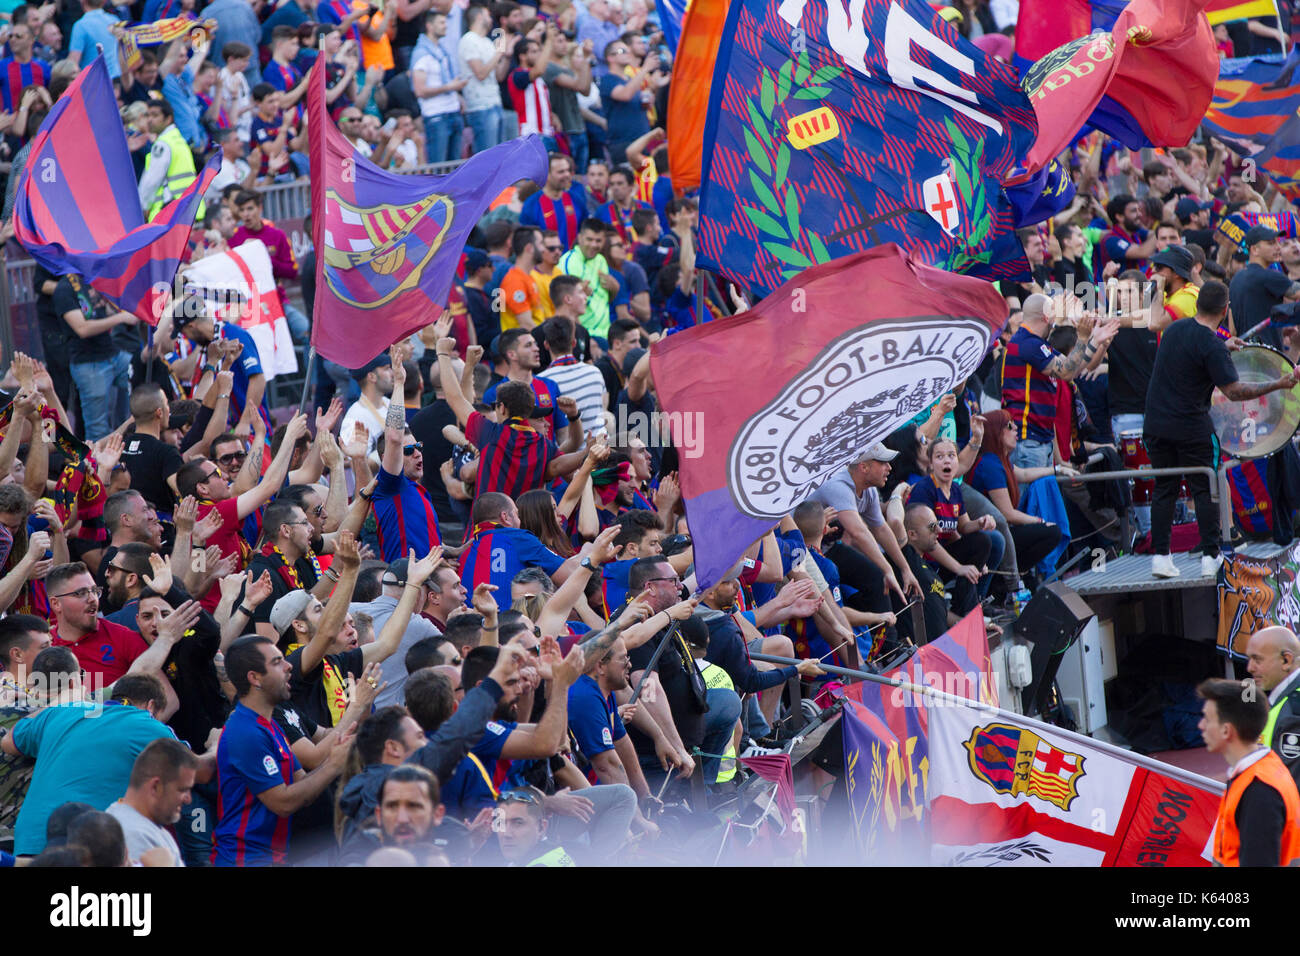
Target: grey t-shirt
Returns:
[[840, 493], [564, 100], [142, 834], [394, 668]]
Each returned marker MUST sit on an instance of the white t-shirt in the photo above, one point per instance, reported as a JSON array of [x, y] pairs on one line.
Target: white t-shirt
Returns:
[[235, 92], [142, 834], [361, 412], [434, 75], [586, 386], [479, 94]]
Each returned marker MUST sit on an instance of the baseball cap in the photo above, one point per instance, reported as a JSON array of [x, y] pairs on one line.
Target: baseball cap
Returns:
[[395, 575], [378, 361], [1187, 206], [1178, 258], [876, 452], [1259, 234], [288, 609], [630, 359], [475, 259]]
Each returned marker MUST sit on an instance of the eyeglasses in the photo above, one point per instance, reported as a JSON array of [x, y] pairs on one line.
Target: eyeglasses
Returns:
[[673, 580], [83, 594], [291, 523], [215, 472], [409, 450], [932, 526], [234, 458]]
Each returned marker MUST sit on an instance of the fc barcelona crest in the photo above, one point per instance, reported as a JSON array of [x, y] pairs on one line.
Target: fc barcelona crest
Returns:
[[1016, 761], [374, 254]]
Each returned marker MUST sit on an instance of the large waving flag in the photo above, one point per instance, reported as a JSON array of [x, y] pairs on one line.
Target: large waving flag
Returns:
[[829, 363], [671, 14], [688, 94], [1044, 25], [1256, 112], [832, 132], [77, 208], [1146, 81], [387, 244], [1005, 790]]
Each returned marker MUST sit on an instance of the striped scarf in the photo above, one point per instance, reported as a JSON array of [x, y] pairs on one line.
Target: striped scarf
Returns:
[[164, 31]]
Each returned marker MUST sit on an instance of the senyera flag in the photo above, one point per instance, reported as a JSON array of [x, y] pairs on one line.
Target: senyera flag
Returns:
[[1004, 790], [1146, 81], [77, 209], [388, 244], [784, 395], [831, 131]]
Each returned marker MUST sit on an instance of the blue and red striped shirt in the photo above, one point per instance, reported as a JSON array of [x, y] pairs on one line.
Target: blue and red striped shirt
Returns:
[[564, 215], [252, 757], [1028, 392], [513, 456], [404, 517], [947, 508], [495, 554], [16, 77], [546, 394]]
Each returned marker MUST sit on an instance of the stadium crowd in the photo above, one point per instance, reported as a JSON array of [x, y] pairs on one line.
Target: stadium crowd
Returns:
[[407, 621]]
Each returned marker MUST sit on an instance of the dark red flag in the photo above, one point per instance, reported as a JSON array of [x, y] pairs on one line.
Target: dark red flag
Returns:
[[767, 405], [1158, 65], [775, 768]]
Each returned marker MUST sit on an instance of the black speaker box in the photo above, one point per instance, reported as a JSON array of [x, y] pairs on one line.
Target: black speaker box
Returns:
[[1052, 620]]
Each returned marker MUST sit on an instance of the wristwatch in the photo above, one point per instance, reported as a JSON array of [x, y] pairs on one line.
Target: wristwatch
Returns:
[[589, 564]]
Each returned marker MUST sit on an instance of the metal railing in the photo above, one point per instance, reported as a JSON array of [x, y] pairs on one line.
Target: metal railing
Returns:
[[1218, 478]]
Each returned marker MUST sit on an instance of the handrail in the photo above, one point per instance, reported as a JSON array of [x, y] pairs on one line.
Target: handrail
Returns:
[[1218, 485]]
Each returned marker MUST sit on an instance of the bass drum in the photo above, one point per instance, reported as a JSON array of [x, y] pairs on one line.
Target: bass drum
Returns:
[[1259, 426]]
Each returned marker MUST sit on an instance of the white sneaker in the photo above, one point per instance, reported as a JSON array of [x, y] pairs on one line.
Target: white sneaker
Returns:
[[1162, 566], [1210, 565]]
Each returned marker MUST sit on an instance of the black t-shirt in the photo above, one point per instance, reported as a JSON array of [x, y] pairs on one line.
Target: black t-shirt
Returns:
[[427, 427], [295, 724], [189, 668], [279, 586], [72, 296], [1072, 274], [581, 347], [54, 331], [1132, 356], [613, 380], [151, 462], [1261, 821], [409, 31], [677, 688], [1200, 237], [307, 691], [487, 324], [1253, 293], [1190, 362]]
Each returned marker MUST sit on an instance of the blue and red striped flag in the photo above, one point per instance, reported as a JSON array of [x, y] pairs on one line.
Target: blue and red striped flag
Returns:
[[77, 209], [387, 245], [1256, 112]]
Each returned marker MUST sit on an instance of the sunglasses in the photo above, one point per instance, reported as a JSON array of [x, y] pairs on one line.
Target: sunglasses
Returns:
[[620, 51], [234, 458], [214, 473], [554, 248], [518, 796], [409, 450]]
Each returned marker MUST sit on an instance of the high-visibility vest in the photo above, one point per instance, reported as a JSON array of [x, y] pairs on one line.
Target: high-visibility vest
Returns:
[[1270, 770], [556, 857], [715, 676], [180, 172], [1274, 712]]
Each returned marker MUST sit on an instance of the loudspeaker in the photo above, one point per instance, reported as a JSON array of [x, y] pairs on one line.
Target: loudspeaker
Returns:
[[1052, 620]]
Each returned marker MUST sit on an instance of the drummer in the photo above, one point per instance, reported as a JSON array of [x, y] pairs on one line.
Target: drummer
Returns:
[[1190, 362]]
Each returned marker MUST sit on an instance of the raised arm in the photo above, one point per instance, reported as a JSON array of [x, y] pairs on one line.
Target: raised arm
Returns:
[[271, 482], [460, 405], [390, 637], [348, 559]]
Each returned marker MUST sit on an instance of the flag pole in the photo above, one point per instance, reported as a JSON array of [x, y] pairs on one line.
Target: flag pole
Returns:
[[148, 361], [663, 643], [930, 694], [306, 382]]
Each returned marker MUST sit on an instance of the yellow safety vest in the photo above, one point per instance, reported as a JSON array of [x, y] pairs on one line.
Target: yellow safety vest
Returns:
[[556, 857], [715, 676], [1266, 738], [180, 172]]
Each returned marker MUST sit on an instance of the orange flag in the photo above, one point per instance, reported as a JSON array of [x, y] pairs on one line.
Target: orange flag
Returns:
[[688, 98]]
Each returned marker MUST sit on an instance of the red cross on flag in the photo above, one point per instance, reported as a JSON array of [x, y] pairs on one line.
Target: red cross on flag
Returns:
[[941, 202], [1056, 763]]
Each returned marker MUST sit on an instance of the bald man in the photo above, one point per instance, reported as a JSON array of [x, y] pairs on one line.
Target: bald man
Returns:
[[1272, 657], [1030, 371]]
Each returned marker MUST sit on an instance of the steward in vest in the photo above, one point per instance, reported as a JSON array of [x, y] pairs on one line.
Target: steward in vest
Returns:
[[169, 167], [696, 633], [1272, 658], [1259, 818], [520, 822]]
